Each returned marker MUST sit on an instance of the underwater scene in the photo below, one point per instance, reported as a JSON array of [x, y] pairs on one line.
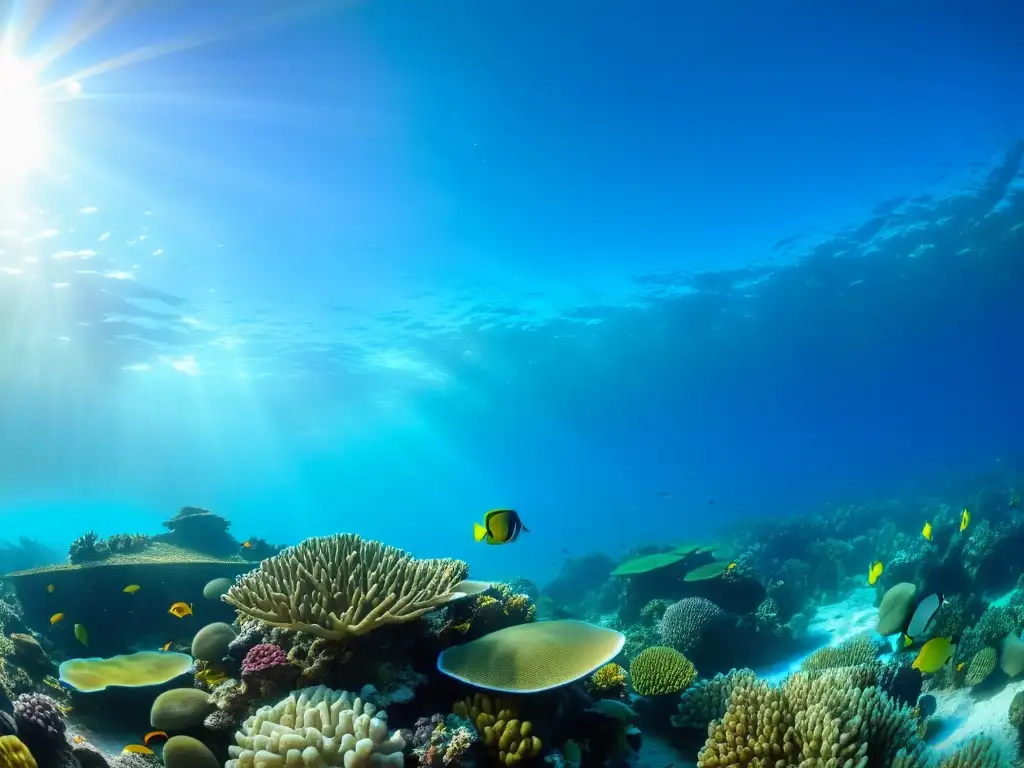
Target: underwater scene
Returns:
[[479, 384]]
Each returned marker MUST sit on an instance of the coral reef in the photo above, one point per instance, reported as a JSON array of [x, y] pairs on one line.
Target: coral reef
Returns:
[[608, 682], [683, 623], [379, 585]]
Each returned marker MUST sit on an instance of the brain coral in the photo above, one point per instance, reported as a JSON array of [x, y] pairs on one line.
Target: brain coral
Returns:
[[211, 642], [14, 754], [659, 670], [335, 587], [317, 726], [684, 622], [981, 666], [187, 752], [40, 722], [856, 650], [180, 709]]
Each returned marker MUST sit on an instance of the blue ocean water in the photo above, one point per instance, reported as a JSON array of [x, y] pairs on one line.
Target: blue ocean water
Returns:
[[636, 271]]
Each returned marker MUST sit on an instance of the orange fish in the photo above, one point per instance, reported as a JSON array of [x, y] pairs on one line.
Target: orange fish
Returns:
[[181, 610], [247, 544], [137, 749], [57, 617], [153, 735], [166, 646]]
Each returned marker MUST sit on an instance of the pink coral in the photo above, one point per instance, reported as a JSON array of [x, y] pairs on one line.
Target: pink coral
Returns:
[[263, 659]]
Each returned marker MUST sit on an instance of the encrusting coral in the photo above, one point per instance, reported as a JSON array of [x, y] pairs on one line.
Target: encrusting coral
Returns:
[[982, 665], [341, 586], [317, 726], [658, 671], [14, 753]]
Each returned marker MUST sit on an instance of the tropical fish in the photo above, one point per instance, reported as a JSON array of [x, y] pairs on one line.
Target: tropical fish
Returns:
[[501, 526], [181, 610], [153, 735], [933, 655], [78, 739], [615, 710], [137, 749], [50, 588], [131, 589], [927, 530], [731, 566], [211, 677], [166, 646], [960, 666], [247, 544], [81, 635], [57, 617], [965, 520], [874, 571], [922, 617]]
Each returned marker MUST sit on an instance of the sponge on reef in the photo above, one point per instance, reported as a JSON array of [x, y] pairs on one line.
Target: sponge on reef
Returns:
[[336, 587], [658, 671], [527, 658], [133, 670], [497, 721], [317, 726], [186, 752], [180, 709]]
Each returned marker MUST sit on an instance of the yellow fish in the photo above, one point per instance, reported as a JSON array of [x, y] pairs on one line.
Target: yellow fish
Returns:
[[501, 526], [965, 520], [907, 641], [131, 589], [50, 588], [57, 617], [933, 655], [730, 566], [247, 544], [960, 666], [181, 610], [166, 646], [81, 635], [874, 571], [137, 749], [154, 735], [927, 530]]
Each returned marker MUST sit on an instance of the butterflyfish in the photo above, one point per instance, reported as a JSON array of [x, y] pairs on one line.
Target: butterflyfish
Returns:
[[923, 616], [57, 617], [181, 610], [247, 544], [131, 589], [81, 635], [965, 520], [501, 526], [933, 655], [137, 749], [153, 736], [927, 530], [874, 571], [50, 588]]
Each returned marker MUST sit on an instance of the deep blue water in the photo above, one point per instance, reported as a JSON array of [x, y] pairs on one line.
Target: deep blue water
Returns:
[[382, 267]]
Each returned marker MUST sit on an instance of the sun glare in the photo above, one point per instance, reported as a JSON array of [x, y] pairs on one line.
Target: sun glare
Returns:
[[21, 127]]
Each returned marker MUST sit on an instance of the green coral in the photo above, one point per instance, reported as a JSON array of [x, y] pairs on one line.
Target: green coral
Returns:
[[981, 666], [999, 621], [706, 700], [1016, 712], [857, 650], [654, 610], [660, 670]]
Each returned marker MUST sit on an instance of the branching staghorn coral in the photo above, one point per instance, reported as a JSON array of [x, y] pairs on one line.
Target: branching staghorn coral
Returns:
[[341, 586]]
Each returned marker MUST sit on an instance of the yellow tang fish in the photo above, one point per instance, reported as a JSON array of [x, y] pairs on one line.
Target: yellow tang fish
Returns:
[[137, 749], [50, 588], [960, 666], [874, 571], [731, 566], [933, 655], [501, 526], [57, 617], [131, 589], [965, 520], [927, 530], [81, 635], [181, 610]]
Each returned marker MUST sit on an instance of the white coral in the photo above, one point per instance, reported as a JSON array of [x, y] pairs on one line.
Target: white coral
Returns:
[[317, 727]]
